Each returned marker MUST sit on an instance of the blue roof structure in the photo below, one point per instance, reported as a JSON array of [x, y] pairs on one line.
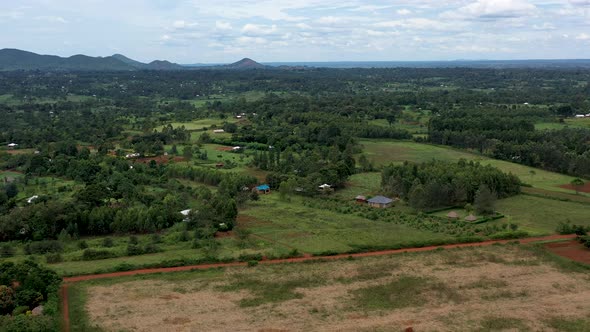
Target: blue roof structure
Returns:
[[380, 200], [263, 187]]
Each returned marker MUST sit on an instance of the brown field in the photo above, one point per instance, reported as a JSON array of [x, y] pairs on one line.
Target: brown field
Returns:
[[505, 287], [584, 189], [573, 250]]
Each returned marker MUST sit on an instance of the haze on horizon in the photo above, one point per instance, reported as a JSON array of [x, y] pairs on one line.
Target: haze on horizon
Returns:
[[216, 31]]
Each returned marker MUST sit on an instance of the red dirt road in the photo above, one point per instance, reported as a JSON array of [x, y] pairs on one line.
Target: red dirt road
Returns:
[[67, 280], [573, 250]]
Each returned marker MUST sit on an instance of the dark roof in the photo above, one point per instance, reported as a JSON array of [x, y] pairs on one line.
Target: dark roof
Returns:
[[380, 200]]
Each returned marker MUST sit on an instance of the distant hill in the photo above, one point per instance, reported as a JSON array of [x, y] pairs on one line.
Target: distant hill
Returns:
[[245, 63], [13, 59]]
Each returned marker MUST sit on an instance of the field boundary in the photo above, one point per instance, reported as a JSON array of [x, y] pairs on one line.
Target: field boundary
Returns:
[[69, 280]]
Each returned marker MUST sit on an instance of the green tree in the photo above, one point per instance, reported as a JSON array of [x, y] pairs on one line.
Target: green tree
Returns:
[[485, 200], [577, 184]]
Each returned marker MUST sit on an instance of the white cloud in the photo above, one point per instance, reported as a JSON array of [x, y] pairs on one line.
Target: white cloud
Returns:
[[223, 26], [580, 2], [583, 36], [258, 29], [420, 24], [252, 40], [403, 11], [52, 19], [492, 9], [544, 26]]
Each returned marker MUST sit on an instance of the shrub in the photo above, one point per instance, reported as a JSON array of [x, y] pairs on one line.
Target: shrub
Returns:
[[43, 247], [53, 258], [568, 228], [20, 310], [82, 245], [156, 238], [93, 254], [151, 248], [6, 299], [250, 257], [107, 242], [184, 236], [7, 250], [252, 263], [134, 250], [133, 240]]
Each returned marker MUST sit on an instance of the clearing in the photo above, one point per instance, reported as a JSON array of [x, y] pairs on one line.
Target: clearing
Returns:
[[446, 290]]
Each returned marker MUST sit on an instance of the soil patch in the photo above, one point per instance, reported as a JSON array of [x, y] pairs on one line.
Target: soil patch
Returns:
[[224, 148], [570, 249], [585, 188], [160, 159], [224, 234]]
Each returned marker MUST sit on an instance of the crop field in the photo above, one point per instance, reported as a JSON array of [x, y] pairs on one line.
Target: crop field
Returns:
[[542, 215], [383, 152], [507, 287], [314, 231], [199, 124]]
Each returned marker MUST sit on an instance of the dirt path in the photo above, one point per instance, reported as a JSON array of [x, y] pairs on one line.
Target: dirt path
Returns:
[[67, 280]]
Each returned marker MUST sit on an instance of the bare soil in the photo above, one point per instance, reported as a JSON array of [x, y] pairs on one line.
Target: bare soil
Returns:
[[505, 282], [570, 249], [223, 148], [585, 188]]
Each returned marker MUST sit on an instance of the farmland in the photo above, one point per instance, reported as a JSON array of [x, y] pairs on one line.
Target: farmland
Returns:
[[440, 290], [383, 152]]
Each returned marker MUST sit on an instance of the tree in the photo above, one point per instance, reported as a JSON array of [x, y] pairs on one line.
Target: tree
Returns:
[[187, 152], [485, 200], [417, 196], [11, 190], [577, 184]]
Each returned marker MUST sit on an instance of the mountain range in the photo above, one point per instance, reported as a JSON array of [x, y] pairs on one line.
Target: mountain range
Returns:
[[14, 59]]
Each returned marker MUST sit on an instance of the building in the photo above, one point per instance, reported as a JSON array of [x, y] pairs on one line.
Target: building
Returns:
[[218, 131], [453, 215], [263, 189], [12, 145], [380, 202], [471, 218], [360, 199], [325, 186]]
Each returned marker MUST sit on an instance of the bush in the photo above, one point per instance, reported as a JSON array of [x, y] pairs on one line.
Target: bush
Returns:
[[151, 248], [93, 254], [250, 257], [133, 240], [43, 247], [184, 236], [82, 245], [20, 310], [53, 258], [107, 242], [7, 250], [134, 250], [568, 228], [156, 238], [252, 263], [28, 323]]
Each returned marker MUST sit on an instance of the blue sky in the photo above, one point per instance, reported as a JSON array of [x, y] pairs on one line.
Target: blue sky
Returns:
[[214, 31]]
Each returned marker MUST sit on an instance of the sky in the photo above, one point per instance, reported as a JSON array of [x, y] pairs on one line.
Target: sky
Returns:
[[222, 31]]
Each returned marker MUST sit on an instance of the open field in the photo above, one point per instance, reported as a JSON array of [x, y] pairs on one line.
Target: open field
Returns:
[[469, 289], [383, 152], [541, 215], [570, 122], [312, 230], [199, 124]]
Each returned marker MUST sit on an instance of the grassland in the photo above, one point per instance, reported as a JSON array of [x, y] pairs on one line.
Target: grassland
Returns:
[[312, 230], [568, 123], [508, 287], [541, 215], [383, 152]]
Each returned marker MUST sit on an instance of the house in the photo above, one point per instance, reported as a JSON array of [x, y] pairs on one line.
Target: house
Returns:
[[218, 131], [263, 189], [580, 116], [360, 199], [471, 217], [132, 155], [185, 213], [452, 215], [12, 145], [236, 148], [325, 186], [380, 202]]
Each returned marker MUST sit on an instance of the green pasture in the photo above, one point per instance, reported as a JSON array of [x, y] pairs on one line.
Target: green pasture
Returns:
[[313, 230], [568, 123], [383, 152], [541, 215], [199, 124], [366, 184]]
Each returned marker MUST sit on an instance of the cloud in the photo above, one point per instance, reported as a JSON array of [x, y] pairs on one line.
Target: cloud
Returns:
[[544, 26], [420, 24], [580, 2], [583, 36], [258, 29], [223, 26], [403, 11], [492, 9], [251, 40], [52, 19]]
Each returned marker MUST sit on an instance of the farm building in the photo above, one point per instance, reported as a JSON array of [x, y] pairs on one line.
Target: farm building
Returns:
[[218, 131], [263, 189], [471, 217], [12, 145], [452, 215], [380, 202], [360, 199]]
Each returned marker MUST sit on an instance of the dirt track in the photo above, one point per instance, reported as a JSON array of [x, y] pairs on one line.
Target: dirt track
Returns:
[[67, 280]]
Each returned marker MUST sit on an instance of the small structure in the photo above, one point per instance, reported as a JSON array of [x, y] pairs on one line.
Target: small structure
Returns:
[[185, 213], [219, 165], [580, 116], [452, 215], [380, 202], [263, 189], [471, 217], [360, 199], [236, 148], [325, 186], [132, 155], [218, 131], [12, 145], [32, 198]]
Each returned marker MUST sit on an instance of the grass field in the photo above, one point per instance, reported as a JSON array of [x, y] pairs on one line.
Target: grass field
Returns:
[[494, 288], [570, 122], [199, 124], [312, 230], [541, 215], [383, 152]]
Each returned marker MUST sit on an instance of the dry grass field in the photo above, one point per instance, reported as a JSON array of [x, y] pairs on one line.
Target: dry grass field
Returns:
[[508, 287]]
